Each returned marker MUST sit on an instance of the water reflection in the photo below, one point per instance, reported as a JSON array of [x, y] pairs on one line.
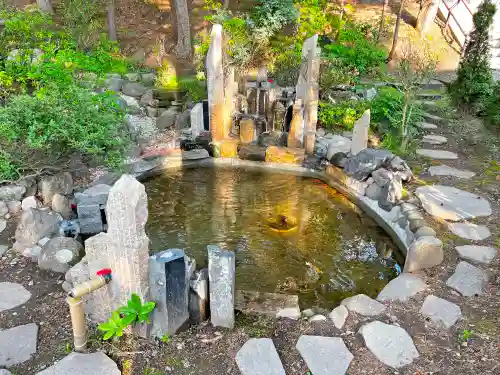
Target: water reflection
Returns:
[[332, 251]]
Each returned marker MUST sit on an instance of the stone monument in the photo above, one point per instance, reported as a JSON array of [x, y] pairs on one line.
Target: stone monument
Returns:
[[221, 272], [360, 133]]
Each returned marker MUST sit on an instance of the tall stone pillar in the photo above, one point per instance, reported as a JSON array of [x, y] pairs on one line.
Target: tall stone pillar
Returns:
[[215, 85], [222, 274], [230, 91], [311, 99], [296, 132]]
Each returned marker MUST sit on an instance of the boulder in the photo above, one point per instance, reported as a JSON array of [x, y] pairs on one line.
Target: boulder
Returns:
[[12, 192], [133, 89], [141, 128], [337, 143], [382, 177], [272, 138], [4, 210], [35, 224], [148, 78], [147, 98], [62, 206], [183, 121], [339, 159], [167, 119], [374, 192], [114, 83], [132, 77], [97, 194], [252, 152], [391, 194], [131, 104], [59, 254], [14, 207], [424, 252], [30, 202], [31, 185], [365, 162], [399, 167], [339, 316], [61, 183]]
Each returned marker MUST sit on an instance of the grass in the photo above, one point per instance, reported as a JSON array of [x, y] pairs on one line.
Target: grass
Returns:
[[255, 325]]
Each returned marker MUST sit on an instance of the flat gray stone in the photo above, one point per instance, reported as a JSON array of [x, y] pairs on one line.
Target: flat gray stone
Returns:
[[434, 139], [425, 231], [80, 364], [5, 372], [3, 250], [259, 357], [391, 345], [444, 170], [339, 316], [324, 355], [402, 288], [468, 280], [470, 231], [289, 312], [441, 312], [477, 254], [3, 225], [432, 117], [449, 203], [437, 154], [426, 125], [12, 295], [317, 318], [424, 252], [363, 305], [17, 344]]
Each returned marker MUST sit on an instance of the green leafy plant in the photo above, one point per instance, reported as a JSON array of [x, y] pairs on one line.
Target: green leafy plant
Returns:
[[465, 335], [341, 115], [134, 312], [474, 81], [492, 107], [165, 339], [84, 18]]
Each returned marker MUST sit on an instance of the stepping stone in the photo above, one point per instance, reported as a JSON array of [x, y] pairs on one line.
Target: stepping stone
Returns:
[[434, 139], [259, 357], [470, 231], [477, 254], [437, 154], [425, 252], [444, 170], [5, 372], [430, 116], [363, 305], [339, 316], [440, 311], [426, 125], [3, 225], [392, 345], [79, 363], [3, 250], [324, 355], [12, 295], [450, 203], [17, 344], [468, 280], [402, 288]]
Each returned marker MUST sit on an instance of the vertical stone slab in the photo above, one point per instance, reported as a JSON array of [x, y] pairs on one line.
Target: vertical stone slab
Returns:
[[222, 272], [198, 297], [168, 279], [301, 88], [124, 249], [296, 132], [270, 105], [312, 99], [360, 133], [197, 120], [230, 90], [215, 85]]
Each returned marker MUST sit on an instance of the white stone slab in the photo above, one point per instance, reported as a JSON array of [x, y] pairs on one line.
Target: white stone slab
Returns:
[[18, 344], [402, 288], [324, 355], [477, 254], [12, 295], [444, 170], [470, 231], [437, 154], [259, 357], [83, 364], [440, 312], [434, 139], [468, 280]]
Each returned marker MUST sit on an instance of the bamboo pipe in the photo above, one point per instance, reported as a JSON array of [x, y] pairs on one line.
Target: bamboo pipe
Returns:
[[76, 310]]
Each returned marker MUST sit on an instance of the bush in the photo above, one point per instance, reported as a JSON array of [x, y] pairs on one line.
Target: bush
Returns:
[[492, 108], [42, 129], [474, 81], [342, 115]]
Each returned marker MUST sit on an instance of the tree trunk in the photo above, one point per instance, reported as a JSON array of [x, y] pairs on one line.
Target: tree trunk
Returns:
[[183, 47], [45, 6], [112, 21], [396, 31], [382, 19]]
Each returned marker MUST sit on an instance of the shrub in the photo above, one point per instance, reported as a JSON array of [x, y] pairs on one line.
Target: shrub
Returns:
[[42, 129], [84, 18], [342, 115], [474, 80], [492, 108]]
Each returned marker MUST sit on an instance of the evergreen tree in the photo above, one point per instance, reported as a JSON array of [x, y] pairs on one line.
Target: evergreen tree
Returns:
[[474, 79]]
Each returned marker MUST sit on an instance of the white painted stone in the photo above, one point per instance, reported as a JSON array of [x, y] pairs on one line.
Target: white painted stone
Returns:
[[441, 312], [324, 355], [79, 363], [12, 295], [444, 170], [402, 288], [390, 344], [360, 133], [18, 344], [477, 254], [363, 305], [437, 154], [259, 357], [426, 125], [424, 252], [470, 231], [434, 139], [468, 280], [339, 316], [449, 203]]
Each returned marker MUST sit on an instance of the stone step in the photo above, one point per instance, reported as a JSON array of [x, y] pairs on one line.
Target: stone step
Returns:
[[431, 117], [12, 295], [426, 125], [468, 280], [18, 344], [429, 95], [444, 170], [470, 231], [440, 312], [449, 203], [477, 254], [437, 154], [434, 139], [82, 363], [259, 356]]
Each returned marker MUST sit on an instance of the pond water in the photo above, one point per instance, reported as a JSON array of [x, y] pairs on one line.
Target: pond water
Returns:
[[291, 234]]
